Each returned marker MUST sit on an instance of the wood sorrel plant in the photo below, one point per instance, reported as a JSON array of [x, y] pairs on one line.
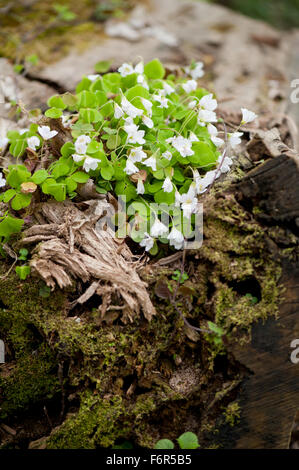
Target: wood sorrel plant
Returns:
[[147, 138]]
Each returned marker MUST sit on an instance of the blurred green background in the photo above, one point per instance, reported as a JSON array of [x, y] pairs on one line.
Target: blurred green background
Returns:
[[283, 14]]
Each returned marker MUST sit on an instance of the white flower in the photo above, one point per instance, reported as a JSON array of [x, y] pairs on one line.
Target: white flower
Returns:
[[176, 238], [234, 139], [192, 104], [158, 229], [118, 112], [226, 164], [130, 168], [129, 109], [203, 183], [33, 142], [46, 132], [168, 88], [177, 199], [189, 86], [94, 77], [135, 136], [126, 69], [161, 99], [151, 163], [197, 71], [139, 68], [213, 131], [22, 131], [3, 142], [78, 158], [189, 202], [147, 121], [2, 180], [142, 81], [167, 155], [205, 115], [140, 186], [137, 154], [147, 242], [193, 137], [167, 185], [81, 144], [90, 164], [148, 105], [208, 102], [247, 116], [65, 121], [182, 145]]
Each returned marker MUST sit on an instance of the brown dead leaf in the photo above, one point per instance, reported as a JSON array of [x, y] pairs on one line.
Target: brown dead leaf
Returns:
[[28, 187], [141, 175]]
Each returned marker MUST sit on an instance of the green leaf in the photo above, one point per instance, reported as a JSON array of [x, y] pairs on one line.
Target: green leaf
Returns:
[[137, 91], [23, 254], [81, 128], [8, 195], [18, 174], [44, 291], [20, 201], [80, 177], [69, 100], [113, 141], [216, 329], [67, 149], [18, 147], [154, 69], [56, 101], [87, 99], [53, 113], [107, 172], [90, 115], [161, 196], [103, 66], [58, 191], [164, 444], [39, 176], [71, 185], [188, 440], [18, 68], [60, 169], [203, 156], [10, 225], [23, 272]]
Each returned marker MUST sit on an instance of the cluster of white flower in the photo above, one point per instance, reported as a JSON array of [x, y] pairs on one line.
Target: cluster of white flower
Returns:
[[81, 145], [128, 69]]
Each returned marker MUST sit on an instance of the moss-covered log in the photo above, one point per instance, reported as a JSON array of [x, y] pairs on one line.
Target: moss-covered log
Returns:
[[75, 380]]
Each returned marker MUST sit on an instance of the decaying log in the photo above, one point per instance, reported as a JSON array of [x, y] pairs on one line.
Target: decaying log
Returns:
[[270, 394], [72, 247]]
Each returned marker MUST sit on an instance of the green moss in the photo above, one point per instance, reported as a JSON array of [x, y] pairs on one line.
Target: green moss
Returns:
[[232, 413], [32, 379], [38, 29], [119, 374]]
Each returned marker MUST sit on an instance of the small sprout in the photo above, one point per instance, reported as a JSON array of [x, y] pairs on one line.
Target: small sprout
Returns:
[[218, 332], [23, 271], [188, 440], [44, 291], [64, 13], [164, 444], [253, 300], [23, 253], [103, 66], [18, 68], [177, 276]]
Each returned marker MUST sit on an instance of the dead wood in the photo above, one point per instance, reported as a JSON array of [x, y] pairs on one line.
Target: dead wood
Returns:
[[73, 247]]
